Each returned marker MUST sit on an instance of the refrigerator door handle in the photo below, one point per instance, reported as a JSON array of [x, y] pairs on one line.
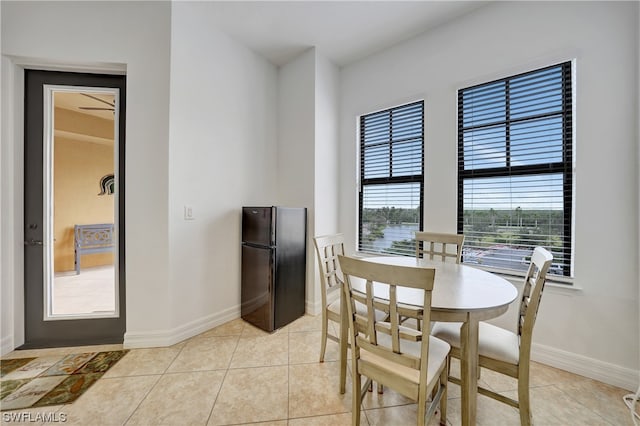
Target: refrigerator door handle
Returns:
[[274, 216], [260, 246]]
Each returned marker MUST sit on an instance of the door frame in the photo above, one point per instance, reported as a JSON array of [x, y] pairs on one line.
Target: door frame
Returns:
[[12, 331], [40, 331]]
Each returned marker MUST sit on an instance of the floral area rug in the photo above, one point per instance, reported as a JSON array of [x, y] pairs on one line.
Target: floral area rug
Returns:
[[51, 380]]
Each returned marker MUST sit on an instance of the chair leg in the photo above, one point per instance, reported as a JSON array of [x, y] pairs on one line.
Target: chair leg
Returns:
[[344, 343], [356, 397], [523, 401], [77, 262], [422, 411], [323, 338], [444, 377]]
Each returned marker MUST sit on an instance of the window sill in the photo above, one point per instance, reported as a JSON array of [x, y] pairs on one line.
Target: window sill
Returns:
[[363, 254], [555, 282]]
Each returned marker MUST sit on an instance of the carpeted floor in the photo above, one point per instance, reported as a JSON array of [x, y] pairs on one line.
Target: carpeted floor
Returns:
[[51, 380]]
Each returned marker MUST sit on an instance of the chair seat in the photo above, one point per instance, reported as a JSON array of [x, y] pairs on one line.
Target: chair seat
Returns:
[[438, 351], [493, 342]]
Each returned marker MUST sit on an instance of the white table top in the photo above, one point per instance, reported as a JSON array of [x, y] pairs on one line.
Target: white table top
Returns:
[[459, 288]]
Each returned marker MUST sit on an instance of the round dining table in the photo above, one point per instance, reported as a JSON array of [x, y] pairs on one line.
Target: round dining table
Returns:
[[461, 293]]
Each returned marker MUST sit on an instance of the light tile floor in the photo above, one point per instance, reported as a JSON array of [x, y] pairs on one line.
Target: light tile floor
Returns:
[[91, 291], [238, 374]]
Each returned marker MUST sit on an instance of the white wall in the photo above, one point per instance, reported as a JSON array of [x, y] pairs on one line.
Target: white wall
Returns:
[[327, 99], [6, 295], [222, 156], [308, 99], [326, 180], [593, 330], [296, 131], [296, 148], [102, 36]]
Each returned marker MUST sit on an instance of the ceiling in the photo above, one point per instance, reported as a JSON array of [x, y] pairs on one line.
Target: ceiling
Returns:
[[95, 104], [343, 31], [74, 127]]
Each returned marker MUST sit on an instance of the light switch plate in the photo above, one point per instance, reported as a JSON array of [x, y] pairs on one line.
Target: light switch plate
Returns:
[[188, 212]]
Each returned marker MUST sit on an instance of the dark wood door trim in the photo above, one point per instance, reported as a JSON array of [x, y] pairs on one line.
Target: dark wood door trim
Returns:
[[39, 333]]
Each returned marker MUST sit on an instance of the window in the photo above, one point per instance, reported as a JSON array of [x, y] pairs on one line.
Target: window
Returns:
[[515, 169], [391, 179]]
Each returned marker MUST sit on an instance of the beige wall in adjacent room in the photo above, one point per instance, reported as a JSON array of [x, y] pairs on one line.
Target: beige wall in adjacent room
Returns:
[[78, 167]]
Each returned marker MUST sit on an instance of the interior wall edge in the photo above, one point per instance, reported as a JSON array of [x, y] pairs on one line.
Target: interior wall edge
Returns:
[[637, 375], [11, 198]]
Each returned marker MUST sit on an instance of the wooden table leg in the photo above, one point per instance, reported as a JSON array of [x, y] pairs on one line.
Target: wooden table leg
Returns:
[[344, 332], [469, 370]]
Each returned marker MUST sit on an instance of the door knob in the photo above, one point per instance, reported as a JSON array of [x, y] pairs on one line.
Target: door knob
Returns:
[[33, 242]]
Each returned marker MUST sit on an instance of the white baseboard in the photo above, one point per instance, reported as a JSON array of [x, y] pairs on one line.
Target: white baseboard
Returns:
[[313, 308], [163, 338], [605, 372], [6, 344]]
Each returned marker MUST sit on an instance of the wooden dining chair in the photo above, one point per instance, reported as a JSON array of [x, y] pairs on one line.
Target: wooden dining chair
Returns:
[[445, 246], [504, 351], [410, 362], [328, 247]]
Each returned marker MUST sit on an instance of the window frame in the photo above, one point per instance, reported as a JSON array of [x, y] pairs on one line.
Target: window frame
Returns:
[[389, 180], [564, 167]]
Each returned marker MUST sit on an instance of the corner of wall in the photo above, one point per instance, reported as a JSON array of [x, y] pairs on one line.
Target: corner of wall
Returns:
[[638, 146], [6, 344], [168, 337], [11, 282]]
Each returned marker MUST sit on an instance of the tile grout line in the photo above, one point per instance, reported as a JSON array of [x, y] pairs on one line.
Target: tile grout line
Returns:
[[570, 396], [143, 398], [226, 371], [154, 385]]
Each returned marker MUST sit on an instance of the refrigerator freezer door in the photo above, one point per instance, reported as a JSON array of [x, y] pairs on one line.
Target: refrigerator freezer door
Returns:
[[257, 226], [289, 290], [257, 286]]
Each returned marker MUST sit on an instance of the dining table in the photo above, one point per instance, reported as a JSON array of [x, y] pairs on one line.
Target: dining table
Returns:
[[461, 293]]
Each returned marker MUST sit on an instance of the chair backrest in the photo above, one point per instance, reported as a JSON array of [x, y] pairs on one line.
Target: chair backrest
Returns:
[[382, 337], [328, 247], [439, 244], [532, 293]]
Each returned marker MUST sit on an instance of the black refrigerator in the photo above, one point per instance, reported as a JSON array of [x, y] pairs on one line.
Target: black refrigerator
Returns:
[[274, 253]]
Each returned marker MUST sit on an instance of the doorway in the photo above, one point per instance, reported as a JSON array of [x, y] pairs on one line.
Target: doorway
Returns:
[[74, 222]]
